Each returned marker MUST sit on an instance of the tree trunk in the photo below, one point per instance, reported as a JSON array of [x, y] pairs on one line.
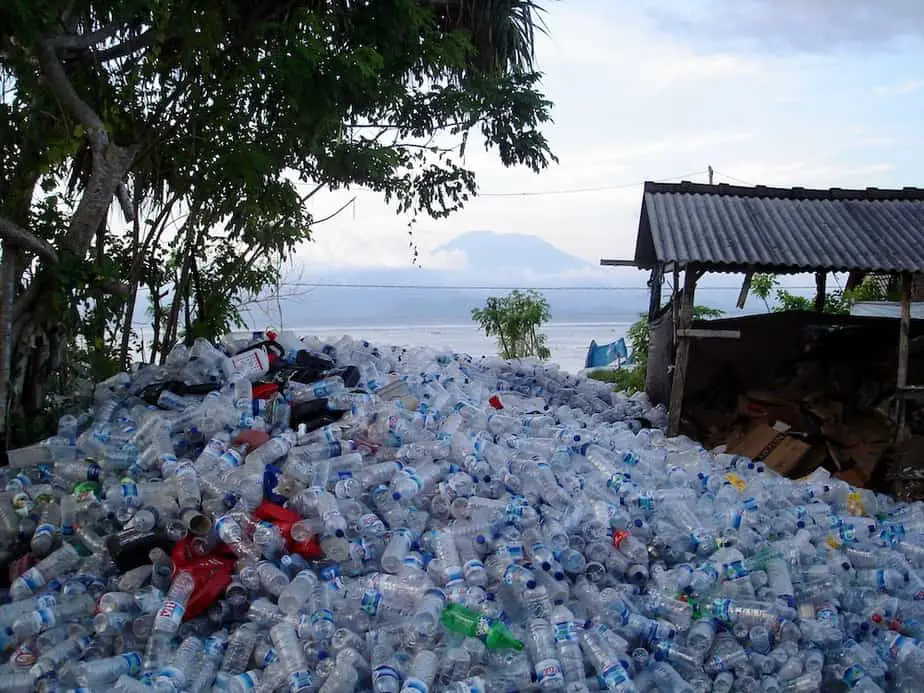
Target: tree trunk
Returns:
[[38, 338], [128, 314], [9, 267]]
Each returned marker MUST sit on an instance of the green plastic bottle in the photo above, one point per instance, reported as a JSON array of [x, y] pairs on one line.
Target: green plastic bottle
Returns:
[[493, 633]]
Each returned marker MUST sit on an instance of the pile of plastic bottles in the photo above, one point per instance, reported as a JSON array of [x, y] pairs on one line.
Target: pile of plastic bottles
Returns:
[[287, 515]]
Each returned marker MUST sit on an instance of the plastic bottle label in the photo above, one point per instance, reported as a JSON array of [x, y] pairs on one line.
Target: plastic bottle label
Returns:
[[47, 601], [45, 618], [612, 677], [854, 675], [246, 680], [24, 656], [549, 670], [371, 521], [565, 631], [384, 673], [735, 570], [472, 565], [416, 685], [721, 609], [171, 612], [45, 528], [300, 681], [33, 579], [134, 663], [515, 551], [322, 615], [370, 602]]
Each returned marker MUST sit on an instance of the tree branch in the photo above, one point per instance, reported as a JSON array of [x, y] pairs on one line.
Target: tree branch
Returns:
[[65, 93], [110, 164], [80, 41], [143, 40], [331, 216], [16, 235], [125, 202]]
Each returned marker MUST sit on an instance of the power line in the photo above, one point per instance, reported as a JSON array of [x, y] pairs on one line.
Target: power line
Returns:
[[733, 178], [599, 188], [488, 287]]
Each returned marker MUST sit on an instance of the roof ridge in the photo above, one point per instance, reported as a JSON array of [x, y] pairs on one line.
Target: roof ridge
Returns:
[[906, 194]]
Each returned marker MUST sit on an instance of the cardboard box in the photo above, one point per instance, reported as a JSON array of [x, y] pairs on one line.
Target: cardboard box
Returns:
[[866, 456], [854, 477], [771, 445], [767, 405]]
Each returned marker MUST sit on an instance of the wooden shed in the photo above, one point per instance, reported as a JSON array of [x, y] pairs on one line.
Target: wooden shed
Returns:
[[691, 229]]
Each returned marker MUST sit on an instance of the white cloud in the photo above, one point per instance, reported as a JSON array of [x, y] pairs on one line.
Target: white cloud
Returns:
[[633, 103], [908, 86]]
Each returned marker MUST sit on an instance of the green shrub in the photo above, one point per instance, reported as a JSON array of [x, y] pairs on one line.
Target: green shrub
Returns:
[[514, 320]]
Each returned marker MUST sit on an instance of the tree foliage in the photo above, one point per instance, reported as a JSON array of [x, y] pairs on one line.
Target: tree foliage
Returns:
[[214, 124], [514, 320], [837, 302]]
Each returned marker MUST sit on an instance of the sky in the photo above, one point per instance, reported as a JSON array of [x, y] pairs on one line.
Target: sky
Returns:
[[816, 93]]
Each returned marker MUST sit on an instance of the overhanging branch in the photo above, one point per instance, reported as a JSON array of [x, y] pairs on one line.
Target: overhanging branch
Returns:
[[81, 41], [16, 235], [143, 40], [64, 91]]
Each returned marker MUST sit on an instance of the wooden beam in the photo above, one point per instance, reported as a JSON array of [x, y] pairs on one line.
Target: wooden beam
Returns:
[[904, 335], [654, 286], [682, 359], [695, 333], [821, 280], [745, 288], [854, 279], [618, 263]]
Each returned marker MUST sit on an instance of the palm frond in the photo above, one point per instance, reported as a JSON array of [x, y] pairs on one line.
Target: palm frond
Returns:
[[503, 31]]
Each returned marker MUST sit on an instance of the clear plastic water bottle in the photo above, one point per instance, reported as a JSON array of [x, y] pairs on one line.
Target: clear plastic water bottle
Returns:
[[292, 657]]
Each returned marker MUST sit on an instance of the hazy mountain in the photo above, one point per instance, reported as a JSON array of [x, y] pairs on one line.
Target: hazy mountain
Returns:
[[480, 264], [476, 260], [512, 252]]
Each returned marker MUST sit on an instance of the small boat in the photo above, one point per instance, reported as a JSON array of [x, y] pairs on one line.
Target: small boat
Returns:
[[613, 354]]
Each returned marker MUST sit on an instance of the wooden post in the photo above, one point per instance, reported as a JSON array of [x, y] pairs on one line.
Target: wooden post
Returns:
[[904, 336], [655, 284], [821, 279], [745, 288], [682, 358], [675, 306]]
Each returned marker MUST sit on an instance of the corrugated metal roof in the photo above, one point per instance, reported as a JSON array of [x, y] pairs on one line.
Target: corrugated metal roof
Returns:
[[728, 228]]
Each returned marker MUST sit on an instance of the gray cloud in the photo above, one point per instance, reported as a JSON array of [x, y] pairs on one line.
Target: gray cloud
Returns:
[[803, 25]]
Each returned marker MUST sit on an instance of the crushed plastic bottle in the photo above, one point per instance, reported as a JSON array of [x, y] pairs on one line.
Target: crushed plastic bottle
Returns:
[[282, 514]]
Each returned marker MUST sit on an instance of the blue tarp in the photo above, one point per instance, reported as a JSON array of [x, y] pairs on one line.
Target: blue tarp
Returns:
[[599, 356]]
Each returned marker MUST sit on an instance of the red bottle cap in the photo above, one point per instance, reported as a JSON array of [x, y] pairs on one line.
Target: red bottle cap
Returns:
[[495, 402], [619, 536]]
